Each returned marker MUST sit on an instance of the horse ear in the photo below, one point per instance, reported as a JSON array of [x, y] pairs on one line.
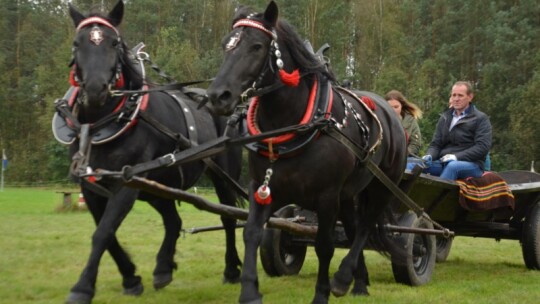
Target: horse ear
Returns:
[[117, 13], [271, 13], [75, 15]]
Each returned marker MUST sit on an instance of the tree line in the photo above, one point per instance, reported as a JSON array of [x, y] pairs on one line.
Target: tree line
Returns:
[[419, 47]]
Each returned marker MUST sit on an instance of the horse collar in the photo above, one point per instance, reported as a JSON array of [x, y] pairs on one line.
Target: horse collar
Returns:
[[66, 128], [319, 104]]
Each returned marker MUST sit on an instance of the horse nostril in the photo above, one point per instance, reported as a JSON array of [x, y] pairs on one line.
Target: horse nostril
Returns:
[[225, 96]]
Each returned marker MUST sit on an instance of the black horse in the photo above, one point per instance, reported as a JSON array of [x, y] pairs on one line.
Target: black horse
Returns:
[[110, 132], [321, 164]]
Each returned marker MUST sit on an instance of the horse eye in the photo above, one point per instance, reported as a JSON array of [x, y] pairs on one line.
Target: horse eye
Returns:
[[256, 47], [75, 44], [115, 42]]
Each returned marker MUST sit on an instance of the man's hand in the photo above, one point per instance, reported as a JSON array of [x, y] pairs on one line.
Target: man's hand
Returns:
[[427, 160], [448, 158]]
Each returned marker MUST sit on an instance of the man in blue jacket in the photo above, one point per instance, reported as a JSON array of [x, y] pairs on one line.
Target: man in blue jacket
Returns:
[[462, 138]]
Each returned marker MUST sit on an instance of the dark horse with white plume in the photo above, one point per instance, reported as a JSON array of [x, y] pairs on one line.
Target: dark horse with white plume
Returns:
[[113, 119], [322, 164]]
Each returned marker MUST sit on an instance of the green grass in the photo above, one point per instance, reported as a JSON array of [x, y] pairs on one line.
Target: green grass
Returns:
[[42, 253]]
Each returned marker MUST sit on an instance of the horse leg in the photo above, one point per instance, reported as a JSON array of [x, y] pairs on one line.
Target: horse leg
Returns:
[[108, 217], [324, 248], [375, 203], [361, 277], [227, 196], [165, 258], [352, 266], [357, 269], [131, 283], [258, 214]]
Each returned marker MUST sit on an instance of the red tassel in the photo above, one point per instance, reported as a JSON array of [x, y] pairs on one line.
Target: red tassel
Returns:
[[369, 102], [120, 82], [262, 196], [92, 179], [72, 80], [292, 79]]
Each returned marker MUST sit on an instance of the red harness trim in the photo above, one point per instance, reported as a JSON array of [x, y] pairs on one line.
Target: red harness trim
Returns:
[[97, 20], [144, 105], [253, 128], [145, 98], [254, 24]]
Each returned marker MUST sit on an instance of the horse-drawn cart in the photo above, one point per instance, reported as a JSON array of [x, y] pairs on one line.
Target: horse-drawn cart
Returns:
[[429, 217], [283, 253], [113, 120]]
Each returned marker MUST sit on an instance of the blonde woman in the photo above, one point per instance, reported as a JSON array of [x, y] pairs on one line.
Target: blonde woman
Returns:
[[409, 114]]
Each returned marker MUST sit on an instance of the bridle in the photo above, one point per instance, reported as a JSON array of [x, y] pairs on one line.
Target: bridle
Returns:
[[273, 59], [96, 36]]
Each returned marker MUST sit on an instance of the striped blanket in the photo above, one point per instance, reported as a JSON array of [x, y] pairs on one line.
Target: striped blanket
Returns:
[[485, 193]]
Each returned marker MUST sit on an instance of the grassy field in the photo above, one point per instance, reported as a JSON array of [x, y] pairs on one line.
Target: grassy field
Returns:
[[42, 253]]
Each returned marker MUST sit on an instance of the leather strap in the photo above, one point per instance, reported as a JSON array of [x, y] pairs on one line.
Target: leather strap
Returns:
[[379, 174]]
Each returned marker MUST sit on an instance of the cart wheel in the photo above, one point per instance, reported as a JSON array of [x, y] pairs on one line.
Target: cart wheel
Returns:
[[530, 242], [421, 252], [443, 248], [279, 255]]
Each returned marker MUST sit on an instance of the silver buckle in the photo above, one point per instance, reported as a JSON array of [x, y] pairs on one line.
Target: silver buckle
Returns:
[[171, 157]]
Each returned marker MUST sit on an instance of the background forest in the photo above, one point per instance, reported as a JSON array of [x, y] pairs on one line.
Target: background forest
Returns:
[[419, 47]]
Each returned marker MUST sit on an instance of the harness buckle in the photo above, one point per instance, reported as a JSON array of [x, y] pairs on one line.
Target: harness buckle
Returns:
[[116, 93], [247, 94], [170, 158], [142, 56]]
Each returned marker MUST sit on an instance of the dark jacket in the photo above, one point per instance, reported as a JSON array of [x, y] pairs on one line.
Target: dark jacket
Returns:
[[469, 139]]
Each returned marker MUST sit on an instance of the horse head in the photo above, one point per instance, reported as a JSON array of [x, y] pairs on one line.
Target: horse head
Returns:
[[250, 53], [99, 56]]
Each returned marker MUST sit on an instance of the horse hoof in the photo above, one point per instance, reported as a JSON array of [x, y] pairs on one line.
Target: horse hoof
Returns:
[[359, 292], [251, 298], [339, 289], [136, 290], [162, 280], [78, 298], [256, 301], [319, 299], [227, 280]]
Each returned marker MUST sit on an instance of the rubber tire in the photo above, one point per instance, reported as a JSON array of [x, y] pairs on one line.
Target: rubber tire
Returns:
[[418, 268], [279, 256], [530, 242], [443, 248]]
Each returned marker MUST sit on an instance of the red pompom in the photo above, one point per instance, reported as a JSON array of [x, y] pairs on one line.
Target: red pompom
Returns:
[[262, 196], [91, 179], [369, 102], [292, 79], [120, 82], [72, 80]]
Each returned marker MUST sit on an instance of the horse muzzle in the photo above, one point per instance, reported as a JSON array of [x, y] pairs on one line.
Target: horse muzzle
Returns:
[[93, 99]]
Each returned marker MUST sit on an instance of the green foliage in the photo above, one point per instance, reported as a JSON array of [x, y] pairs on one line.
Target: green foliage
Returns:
[[419, 47]]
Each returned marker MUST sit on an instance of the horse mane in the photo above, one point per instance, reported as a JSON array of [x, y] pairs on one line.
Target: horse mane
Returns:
[[132, 74], [291, 41]]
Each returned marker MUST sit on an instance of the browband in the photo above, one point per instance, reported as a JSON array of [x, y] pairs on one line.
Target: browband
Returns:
[[98, 20], [255, 24]]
